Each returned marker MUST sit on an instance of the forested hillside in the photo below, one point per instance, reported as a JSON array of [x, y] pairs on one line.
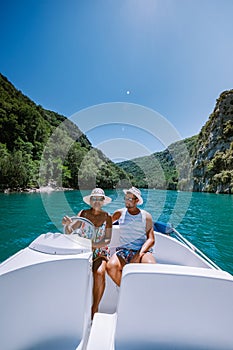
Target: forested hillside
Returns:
[[40, 147], [34, 151], [169, 169], [201, 163]]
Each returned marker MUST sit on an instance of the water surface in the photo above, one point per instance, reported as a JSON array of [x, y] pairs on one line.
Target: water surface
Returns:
[[204, 219]]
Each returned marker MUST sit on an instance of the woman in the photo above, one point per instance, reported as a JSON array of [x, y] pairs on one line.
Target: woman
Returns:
[[103, 231]]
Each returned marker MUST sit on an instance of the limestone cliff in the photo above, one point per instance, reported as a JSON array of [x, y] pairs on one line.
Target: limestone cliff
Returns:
[[213, 158]]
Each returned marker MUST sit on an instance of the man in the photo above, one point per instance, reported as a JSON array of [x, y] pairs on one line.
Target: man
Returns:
[[136, 235]]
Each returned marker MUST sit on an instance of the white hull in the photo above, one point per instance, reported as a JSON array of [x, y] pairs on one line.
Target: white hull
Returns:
[[182, 302]]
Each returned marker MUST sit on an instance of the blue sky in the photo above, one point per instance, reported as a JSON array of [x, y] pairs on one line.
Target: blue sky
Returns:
[[172, 56]]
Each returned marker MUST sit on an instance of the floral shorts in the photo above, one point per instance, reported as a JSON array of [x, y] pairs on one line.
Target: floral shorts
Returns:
[[103, 252], [126, 254]]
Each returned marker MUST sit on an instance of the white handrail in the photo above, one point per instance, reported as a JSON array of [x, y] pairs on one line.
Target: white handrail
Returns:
[[195, 249]]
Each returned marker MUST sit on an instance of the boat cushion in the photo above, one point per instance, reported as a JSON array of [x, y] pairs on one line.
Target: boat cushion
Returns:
[[174, 307], [162, 227], [46, 305]]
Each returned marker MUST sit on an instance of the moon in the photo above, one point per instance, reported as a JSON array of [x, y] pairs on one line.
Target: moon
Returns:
[[127, 92]]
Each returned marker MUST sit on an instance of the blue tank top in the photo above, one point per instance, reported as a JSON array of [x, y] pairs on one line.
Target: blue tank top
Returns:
[[132, 229]]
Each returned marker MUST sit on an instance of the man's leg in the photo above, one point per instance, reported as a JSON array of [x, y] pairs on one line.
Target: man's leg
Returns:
[[99, 269], [114, 269], [148, 258]]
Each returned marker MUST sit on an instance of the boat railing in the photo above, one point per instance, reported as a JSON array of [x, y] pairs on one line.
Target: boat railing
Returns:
[[183, 240]]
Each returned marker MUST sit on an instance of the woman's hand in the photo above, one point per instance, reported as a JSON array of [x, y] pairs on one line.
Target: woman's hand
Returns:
[[66, 220]]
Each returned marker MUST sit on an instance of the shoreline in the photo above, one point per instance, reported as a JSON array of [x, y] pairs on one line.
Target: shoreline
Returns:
[[42, 189], [49, 189]]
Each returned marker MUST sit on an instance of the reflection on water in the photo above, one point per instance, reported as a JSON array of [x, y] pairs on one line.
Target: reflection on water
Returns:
[[204, 219]]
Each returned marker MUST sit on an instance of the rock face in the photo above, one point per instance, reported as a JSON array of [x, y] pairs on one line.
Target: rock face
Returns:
[[213, 159]]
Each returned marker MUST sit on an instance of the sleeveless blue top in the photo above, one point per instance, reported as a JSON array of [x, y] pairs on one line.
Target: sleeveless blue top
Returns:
[[132, 230]]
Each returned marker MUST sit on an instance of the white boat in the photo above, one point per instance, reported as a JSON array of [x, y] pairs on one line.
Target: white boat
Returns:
[[183, 302]]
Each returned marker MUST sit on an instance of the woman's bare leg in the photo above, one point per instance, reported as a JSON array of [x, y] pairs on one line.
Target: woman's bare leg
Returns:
[[99, 270]]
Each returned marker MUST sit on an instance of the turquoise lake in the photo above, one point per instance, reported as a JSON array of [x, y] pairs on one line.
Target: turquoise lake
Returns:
[[204, 219]]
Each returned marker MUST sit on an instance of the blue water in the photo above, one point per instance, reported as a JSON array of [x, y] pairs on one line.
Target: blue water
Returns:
[[204, 219]]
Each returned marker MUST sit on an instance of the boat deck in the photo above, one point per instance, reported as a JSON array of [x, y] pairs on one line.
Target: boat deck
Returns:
[[182, 302]]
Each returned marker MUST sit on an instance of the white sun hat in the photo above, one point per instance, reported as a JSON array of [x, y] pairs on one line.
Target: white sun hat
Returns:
[[136, 192], [97, 192]]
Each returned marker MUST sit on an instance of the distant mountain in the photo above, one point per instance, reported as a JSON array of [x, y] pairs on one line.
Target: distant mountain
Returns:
[[40, 147], [201, 163]]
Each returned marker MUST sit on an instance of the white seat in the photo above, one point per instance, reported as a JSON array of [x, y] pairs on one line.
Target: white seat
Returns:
[[168, 250], [108, 302], [115, 239], [46, 305], [102, 332], [172, 307]]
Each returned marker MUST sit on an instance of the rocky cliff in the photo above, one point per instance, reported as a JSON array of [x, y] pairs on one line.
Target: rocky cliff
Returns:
[[213, 156]]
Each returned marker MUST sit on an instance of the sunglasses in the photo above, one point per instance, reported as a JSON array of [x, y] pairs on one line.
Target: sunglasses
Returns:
[[130, 199], [97, 199]]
